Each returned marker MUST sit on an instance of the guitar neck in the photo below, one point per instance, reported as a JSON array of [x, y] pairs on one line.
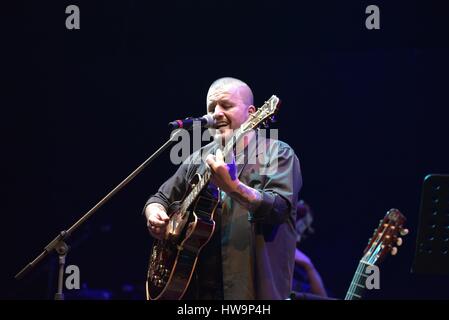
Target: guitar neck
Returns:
[[196, 190], [357, 287], [384, 240]]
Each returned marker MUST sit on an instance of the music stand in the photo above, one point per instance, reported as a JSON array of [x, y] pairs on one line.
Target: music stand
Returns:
[[432, 243]]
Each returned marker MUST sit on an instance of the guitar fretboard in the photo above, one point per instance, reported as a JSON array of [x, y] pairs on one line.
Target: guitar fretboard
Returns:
[[196, 190], [358, 282]]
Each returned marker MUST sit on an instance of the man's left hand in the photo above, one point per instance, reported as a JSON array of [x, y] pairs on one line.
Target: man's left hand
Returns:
[[224, 175]]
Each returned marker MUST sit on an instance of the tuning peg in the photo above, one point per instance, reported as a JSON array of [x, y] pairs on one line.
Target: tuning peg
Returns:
[[394, 250], [273, 118], [399, 241], [403, 232]]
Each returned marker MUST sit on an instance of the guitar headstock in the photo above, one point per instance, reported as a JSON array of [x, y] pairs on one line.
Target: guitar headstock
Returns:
[[386, 237], [263, 115]]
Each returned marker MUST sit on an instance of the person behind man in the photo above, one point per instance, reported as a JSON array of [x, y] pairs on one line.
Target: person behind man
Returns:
[[306, 278], [251, 253]]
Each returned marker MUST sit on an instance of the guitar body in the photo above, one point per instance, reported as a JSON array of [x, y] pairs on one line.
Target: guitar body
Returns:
[[173, 260]]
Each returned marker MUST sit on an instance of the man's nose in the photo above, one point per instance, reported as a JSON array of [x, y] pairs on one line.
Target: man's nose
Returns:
[[218, 113]]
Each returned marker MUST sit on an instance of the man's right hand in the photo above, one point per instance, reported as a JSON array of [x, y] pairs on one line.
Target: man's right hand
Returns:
[[157, 220]]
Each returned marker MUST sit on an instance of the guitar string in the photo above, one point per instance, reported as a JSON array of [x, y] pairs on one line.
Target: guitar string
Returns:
[[355, 279]]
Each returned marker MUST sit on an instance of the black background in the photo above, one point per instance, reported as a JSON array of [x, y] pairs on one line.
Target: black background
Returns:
[[366, 112]]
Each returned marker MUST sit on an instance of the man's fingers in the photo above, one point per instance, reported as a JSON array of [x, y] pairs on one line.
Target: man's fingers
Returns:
[[158, 220], [156, 230], [210, 161], [157, 233], [219, 155], [163, 216], [157, 223]]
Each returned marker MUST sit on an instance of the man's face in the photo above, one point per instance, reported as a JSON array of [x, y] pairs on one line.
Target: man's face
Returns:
[[228, 108]]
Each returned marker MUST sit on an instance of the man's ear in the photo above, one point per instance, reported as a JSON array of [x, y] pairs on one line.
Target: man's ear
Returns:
[[251, 109]]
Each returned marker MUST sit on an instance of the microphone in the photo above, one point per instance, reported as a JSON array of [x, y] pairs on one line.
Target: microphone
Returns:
[[207, 121]]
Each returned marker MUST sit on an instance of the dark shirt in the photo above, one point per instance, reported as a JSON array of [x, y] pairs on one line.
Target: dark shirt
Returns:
[[252, 253]]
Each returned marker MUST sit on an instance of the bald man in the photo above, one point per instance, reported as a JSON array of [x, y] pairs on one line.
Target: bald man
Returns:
[[252, 251]]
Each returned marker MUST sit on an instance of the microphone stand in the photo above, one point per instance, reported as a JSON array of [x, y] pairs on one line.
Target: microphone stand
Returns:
[[59, 245]]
